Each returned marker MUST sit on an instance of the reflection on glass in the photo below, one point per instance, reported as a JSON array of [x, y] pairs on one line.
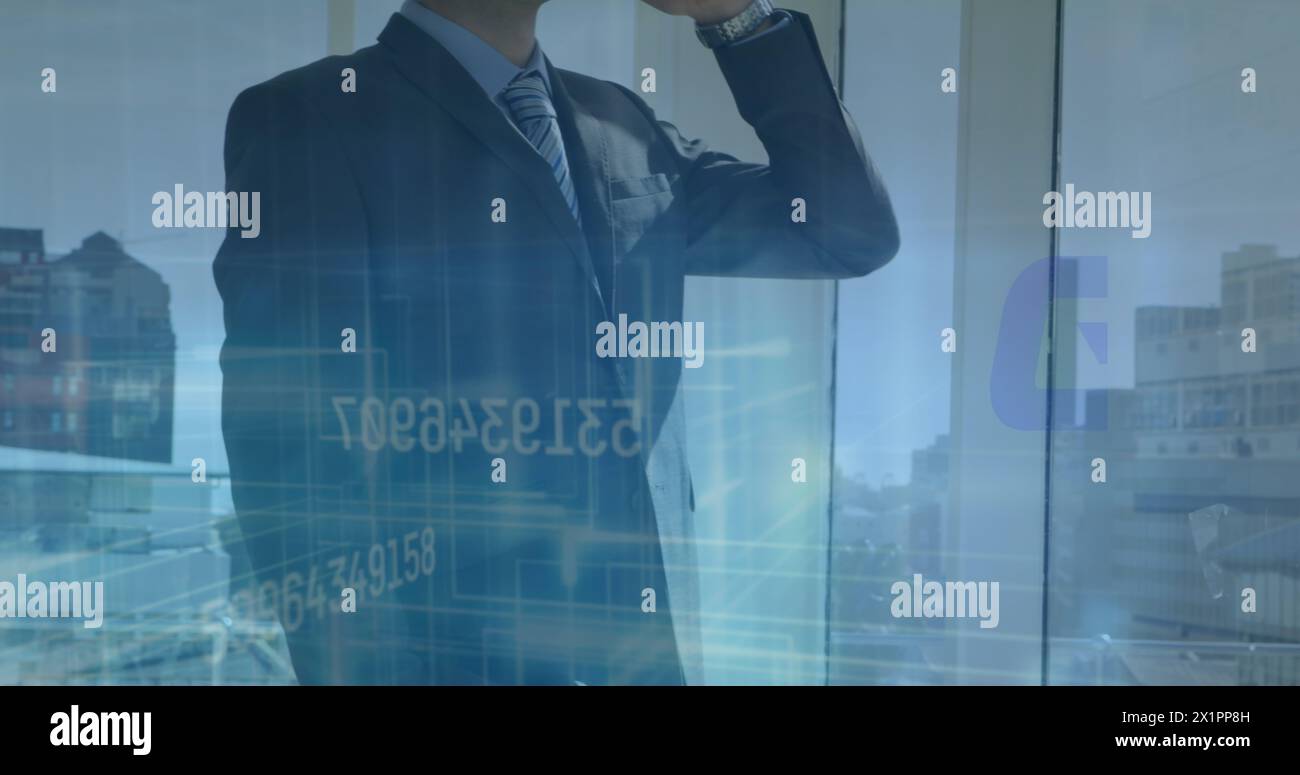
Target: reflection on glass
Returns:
[[97, 444], [891, 447], [1182, 567], [110, 394]]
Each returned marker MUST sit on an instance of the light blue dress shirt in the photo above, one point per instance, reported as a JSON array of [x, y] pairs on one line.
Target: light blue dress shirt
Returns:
[[488, 67]]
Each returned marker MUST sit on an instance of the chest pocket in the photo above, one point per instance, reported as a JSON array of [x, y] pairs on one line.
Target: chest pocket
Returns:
[[640, 207]]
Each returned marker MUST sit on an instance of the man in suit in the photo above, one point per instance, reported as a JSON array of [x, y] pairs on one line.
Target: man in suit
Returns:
[[438, 477]]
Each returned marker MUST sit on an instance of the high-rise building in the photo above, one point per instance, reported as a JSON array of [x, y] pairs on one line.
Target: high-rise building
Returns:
[[1201, 499], [106, 388]]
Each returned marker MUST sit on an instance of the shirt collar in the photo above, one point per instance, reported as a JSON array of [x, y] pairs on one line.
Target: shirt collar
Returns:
[[489, 67]]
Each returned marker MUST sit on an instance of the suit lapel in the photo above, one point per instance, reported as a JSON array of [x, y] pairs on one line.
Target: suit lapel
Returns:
[[436, 72], [588, 165]]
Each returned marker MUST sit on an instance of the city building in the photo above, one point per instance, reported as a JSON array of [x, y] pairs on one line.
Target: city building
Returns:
[[1201, 501], [106, 389]]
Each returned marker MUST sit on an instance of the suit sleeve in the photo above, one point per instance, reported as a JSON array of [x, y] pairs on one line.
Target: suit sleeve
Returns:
[[272, 287], [741, 215]]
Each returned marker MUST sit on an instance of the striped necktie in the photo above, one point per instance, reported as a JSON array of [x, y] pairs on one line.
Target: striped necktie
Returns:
[[535, 116]]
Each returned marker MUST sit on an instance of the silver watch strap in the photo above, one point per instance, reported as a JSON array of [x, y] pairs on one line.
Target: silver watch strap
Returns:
[[739, 26]]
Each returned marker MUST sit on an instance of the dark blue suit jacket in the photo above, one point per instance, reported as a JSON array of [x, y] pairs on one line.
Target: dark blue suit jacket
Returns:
[[475, 342]]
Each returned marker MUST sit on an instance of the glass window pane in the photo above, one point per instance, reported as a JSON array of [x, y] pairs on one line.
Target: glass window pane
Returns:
[[1181, 567], [893, 378], [96, 446]]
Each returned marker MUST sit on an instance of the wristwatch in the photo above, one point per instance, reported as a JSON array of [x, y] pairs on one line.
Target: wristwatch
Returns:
[[739, 26]]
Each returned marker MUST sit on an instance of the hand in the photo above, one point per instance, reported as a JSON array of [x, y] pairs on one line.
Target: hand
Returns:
[[702, 11]]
